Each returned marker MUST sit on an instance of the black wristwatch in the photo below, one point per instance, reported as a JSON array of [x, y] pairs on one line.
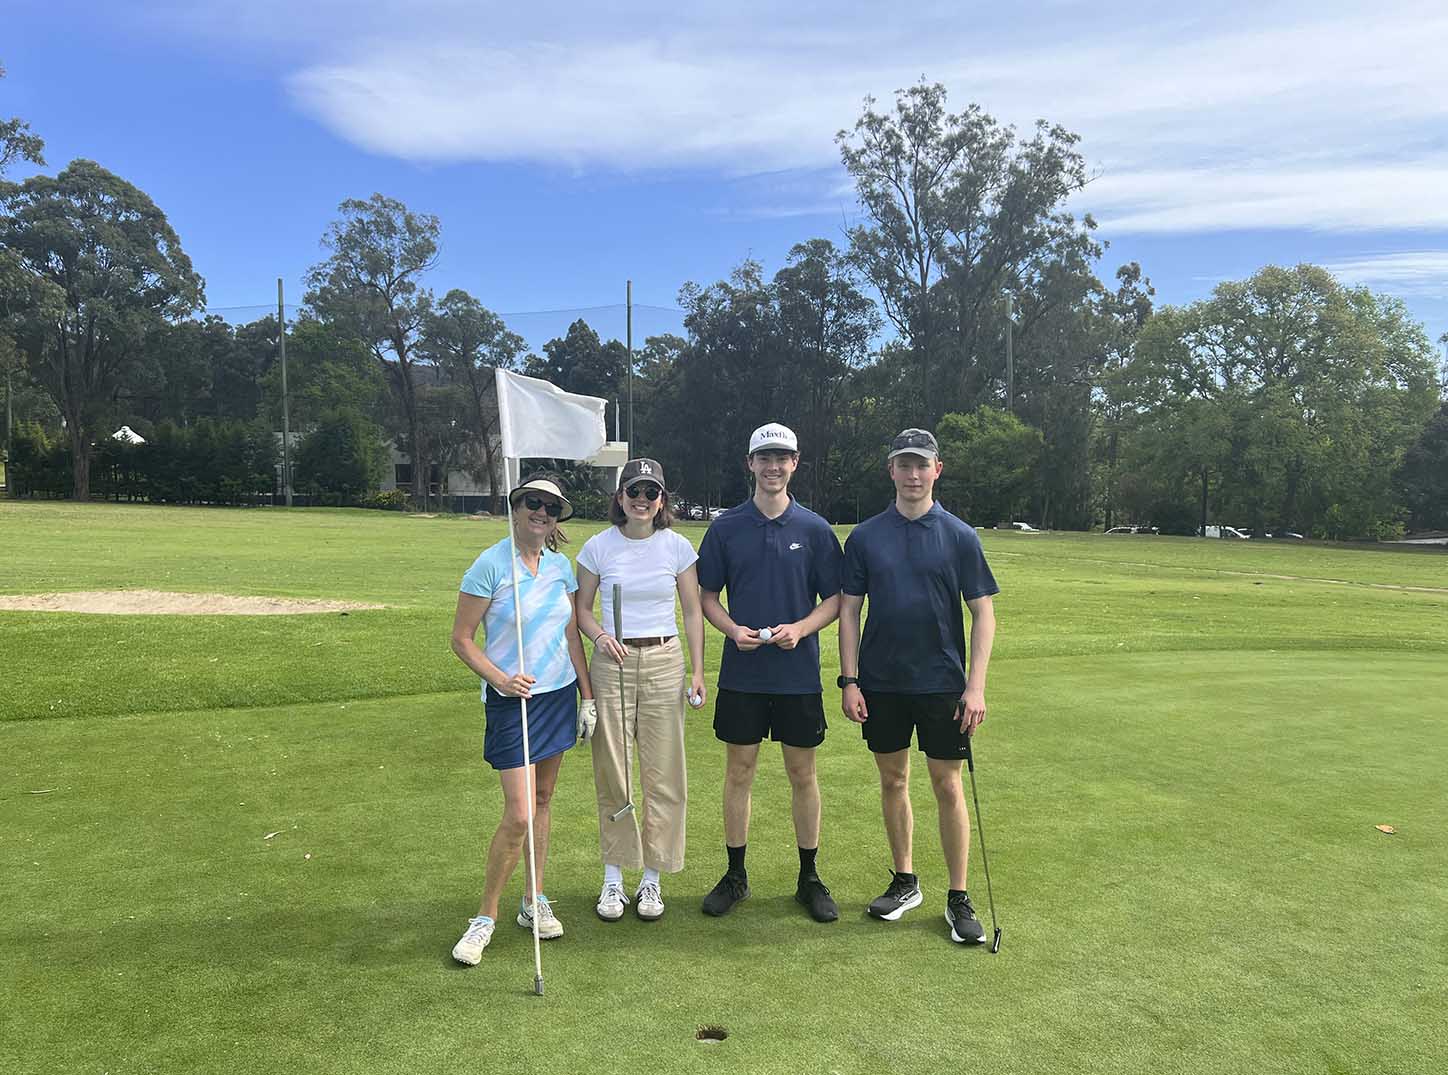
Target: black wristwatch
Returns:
[[845, 681]]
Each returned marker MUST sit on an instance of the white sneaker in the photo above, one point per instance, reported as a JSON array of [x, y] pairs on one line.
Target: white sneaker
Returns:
[[650, 901], [470, 949], [611, 902], [549, 928]]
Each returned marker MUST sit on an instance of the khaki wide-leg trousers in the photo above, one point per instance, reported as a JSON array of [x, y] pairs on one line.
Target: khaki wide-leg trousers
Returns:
[[652, 718]]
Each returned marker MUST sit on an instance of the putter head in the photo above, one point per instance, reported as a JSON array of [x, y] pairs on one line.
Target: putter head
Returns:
[[995, 945], [626, 808], [538, 985]]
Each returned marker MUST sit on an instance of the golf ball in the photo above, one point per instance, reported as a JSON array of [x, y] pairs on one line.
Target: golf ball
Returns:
[[765, 634], [696, 700]]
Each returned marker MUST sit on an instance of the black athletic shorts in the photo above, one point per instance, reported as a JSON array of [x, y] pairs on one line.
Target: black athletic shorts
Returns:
[[892, 717], [742, 718]]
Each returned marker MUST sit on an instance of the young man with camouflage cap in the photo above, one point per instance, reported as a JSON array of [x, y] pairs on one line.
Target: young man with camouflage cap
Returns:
[[916, 562]]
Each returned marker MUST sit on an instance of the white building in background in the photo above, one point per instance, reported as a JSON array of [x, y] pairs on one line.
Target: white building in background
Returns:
[[463, 491]]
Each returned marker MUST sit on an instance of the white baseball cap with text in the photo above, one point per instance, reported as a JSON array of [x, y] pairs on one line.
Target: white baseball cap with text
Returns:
[[773, 437]]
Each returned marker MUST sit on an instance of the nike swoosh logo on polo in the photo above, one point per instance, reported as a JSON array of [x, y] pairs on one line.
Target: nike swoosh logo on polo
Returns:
[[795, 545]]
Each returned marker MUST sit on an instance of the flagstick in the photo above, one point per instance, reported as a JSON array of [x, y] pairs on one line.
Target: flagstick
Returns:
[[527, 762]]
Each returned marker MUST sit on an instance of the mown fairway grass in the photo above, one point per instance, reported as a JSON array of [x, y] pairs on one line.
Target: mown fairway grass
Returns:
[[1184, 761]]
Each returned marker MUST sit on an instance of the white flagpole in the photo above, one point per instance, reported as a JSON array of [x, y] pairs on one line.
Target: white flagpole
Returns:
[[528, 778]]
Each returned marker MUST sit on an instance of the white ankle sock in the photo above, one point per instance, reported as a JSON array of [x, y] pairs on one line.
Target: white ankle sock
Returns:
[[650, 875], [612, 875]]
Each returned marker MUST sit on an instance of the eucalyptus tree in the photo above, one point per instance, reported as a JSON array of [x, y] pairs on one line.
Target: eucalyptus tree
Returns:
[[370, 285], [468, 342], [1317, 391], [104, 271], [957, 209]]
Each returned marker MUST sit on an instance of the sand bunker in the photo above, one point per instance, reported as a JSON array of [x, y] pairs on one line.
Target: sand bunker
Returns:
[[162, 603]]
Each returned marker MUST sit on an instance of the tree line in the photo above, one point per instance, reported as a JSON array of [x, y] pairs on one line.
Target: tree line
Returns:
[[1282, 401]]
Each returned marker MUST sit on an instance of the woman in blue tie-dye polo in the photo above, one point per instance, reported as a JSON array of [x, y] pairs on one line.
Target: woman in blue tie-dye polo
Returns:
[[556, 674]]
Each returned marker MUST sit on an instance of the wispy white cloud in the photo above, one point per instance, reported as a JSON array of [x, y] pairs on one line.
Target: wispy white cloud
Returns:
[[1319, 115], [1406, 196], [1417, 273]]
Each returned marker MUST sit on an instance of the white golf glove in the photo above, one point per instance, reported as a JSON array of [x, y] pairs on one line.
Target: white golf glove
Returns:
[[587, 719]]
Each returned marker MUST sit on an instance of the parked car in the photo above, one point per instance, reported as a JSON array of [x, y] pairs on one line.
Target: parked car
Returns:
[[1134, 530], [714, 513], [1026, 528]]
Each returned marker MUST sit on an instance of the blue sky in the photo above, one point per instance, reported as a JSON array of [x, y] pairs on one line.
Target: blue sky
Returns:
[[567, 147]]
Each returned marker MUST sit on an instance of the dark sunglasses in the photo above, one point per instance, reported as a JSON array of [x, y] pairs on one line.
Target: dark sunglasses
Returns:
[[552, 507], [647, 490]]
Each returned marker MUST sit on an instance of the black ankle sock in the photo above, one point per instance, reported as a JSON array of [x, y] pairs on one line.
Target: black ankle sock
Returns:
[[736, 858], [956, 892], [906, 876], [807, 861]]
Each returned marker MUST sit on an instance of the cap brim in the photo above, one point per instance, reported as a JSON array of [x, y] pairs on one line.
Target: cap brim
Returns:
[[923, 453]]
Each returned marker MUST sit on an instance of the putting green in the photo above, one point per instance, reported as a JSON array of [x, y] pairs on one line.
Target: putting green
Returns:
[[1182, 847], [1184, 762]]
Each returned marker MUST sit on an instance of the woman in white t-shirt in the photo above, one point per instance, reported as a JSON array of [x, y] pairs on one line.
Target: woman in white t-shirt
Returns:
[[649, 563]]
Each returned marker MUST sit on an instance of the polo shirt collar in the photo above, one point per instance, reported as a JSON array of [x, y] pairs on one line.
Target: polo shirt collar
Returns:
[[760, 519], [927, 520]]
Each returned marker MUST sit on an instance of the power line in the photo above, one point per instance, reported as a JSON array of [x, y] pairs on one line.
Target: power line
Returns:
[[268, 307]]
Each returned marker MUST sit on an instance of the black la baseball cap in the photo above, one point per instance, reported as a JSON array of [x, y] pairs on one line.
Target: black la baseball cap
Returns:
[[642, 469]]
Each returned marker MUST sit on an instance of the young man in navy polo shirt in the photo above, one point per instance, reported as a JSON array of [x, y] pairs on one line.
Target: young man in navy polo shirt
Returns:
[[775, 558], [916, 562]]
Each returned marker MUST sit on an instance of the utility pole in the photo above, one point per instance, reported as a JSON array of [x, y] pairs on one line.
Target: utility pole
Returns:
[[628, 332], [1010, 354], [1204, 500], [9, 420], [286, 402]]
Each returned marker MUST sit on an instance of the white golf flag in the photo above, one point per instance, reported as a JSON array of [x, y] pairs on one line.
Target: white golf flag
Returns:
[[538, 420]]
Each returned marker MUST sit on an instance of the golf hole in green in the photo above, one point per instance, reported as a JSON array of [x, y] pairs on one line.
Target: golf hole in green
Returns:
[[710, 1035]]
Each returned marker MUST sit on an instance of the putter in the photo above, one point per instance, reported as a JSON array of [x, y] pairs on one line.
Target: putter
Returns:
[[627, 807], [979, 824]]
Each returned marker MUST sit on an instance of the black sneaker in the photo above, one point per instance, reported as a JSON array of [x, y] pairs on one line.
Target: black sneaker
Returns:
[[965, 928], [813, 894], [732, 888], [901, 896]]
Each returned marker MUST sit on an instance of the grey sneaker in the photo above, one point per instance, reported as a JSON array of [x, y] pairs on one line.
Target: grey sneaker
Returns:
[[549, 928], [965, 928], [649, 901], [469, 948], [901, 896]]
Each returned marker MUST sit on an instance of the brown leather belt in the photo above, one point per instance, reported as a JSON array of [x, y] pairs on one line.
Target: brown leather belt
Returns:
[[647, 641]]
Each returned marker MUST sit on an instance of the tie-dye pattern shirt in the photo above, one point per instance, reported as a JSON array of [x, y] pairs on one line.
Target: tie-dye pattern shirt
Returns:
[[547, 608]]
